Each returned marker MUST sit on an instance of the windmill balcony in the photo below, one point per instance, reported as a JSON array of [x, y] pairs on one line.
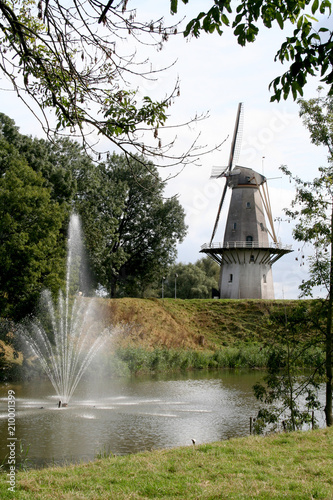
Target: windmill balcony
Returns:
[[244, 244]]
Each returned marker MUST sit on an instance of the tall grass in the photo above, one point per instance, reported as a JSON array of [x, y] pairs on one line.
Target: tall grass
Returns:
[[139, 360]]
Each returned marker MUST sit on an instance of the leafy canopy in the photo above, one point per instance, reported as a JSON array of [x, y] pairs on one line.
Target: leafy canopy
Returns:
[[73, 58], [131, 229], [312, 209], [192, 281], [30, 230], [308, 51]]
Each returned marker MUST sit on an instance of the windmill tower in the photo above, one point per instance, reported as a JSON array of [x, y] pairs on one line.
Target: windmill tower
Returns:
[[246, 255]]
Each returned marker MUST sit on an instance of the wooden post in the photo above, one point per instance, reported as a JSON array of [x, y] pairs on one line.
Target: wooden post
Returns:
[[250, 425]]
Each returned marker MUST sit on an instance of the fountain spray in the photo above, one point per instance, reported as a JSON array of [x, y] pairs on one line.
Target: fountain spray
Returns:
[[64, 338]]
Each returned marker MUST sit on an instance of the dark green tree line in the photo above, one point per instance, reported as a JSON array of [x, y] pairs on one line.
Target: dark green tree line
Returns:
[[130, 230], [192, 281], [30, 230]]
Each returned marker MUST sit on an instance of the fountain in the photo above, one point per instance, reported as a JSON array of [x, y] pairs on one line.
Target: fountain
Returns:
[[65, 336]]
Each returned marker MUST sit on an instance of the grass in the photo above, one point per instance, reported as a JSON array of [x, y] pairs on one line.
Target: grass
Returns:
[[168, 335], [292, 466], [189, 324]]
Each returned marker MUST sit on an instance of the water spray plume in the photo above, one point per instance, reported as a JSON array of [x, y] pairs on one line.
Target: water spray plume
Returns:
[[64, 337]]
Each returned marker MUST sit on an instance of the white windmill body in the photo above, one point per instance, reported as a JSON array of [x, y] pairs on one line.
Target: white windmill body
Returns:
[[246, 254]]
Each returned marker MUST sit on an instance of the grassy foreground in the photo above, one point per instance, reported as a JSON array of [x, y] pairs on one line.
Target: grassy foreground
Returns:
[[292, 466]]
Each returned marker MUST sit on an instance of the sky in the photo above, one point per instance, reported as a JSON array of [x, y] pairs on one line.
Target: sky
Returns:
[[216, 74]]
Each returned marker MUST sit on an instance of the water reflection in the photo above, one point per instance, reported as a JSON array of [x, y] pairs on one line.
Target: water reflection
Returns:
[[126, 416]]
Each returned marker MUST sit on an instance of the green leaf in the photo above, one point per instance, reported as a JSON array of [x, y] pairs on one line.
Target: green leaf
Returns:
[[215, 14], [300, 22], [279, 19], [315, 6], [174, 6]]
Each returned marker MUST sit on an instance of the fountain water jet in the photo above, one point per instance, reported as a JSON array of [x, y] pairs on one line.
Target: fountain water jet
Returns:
[[64, 336]]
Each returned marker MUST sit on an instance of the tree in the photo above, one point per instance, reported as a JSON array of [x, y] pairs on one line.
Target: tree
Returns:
[[308, 51], [290, 393], [71, 58], [30, 224], [210, 268], [131, 230], [60, 161], [193, 281], [312, 208]]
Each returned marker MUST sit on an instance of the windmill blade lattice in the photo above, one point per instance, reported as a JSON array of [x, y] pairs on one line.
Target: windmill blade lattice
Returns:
[[233, 158]]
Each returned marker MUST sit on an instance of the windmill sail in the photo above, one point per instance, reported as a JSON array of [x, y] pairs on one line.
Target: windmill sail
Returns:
[[233, 157], [246, 255]]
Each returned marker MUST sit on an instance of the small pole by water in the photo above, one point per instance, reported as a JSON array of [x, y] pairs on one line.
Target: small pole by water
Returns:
[[163, 279]]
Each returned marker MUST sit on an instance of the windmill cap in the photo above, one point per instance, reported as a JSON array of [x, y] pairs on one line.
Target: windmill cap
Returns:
[[243, 176]]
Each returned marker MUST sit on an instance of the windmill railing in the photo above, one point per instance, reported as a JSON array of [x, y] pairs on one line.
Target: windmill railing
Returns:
[[244, 244]]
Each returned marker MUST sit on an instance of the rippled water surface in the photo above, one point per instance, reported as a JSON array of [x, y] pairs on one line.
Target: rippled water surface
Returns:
[[126, 416]]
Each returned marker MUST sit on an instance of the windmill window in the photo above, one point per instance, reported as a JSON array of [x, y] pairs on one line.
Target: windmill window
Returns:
[[264, 278], [249, 240], [248, 204], [262, 226], [252, 258], [234, 226], [230, 278]]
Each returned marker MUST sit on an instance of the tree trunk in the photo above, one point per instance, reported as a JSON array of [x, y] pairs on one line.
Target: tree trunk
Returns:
[[329, 388]]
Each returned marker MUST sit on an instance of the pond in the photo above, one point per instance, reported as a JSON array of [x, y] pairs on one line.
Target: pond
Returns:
[[128, 415]]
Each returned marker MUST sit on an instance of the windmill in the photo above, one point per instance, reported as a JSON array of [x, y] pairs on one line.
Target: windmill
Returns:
[[246, 255]]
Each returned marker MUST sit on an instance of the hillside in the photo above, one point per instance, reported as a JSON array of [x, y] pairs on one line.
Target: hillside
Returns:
[[165, 335], [194, 324]]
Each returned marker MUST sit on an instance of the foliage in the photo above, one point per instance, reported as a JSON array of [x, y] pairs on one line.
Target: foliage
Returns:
[[11, 359], [192, 281], [312, 209], [61, 162], [308, 51], [30, 224], [76, 61], [289, 394], [131, 229], [140, 360]]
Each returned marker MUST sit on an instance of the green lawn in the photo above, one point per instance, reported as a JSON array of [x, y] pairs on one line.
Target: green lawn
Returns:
[[291, 466]]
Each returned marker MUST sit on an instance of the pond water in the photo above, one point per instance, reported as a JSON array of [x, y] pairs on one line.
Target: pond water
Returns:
[[128, 415]]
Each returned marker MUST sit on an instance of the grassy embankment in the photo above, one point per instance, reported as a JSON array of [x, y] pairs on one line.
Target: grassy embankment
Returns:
[[293, 466], [170, 335]]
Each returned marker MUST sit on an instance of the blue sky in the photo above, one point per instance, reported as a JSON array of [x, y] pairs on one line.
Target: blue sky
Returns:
[[215, 75]]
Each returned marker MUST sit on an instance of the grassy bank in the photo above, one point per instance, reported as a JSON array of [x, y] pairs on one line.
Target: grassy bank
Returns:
[[293, 466], [171, 335], [190, 324]]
